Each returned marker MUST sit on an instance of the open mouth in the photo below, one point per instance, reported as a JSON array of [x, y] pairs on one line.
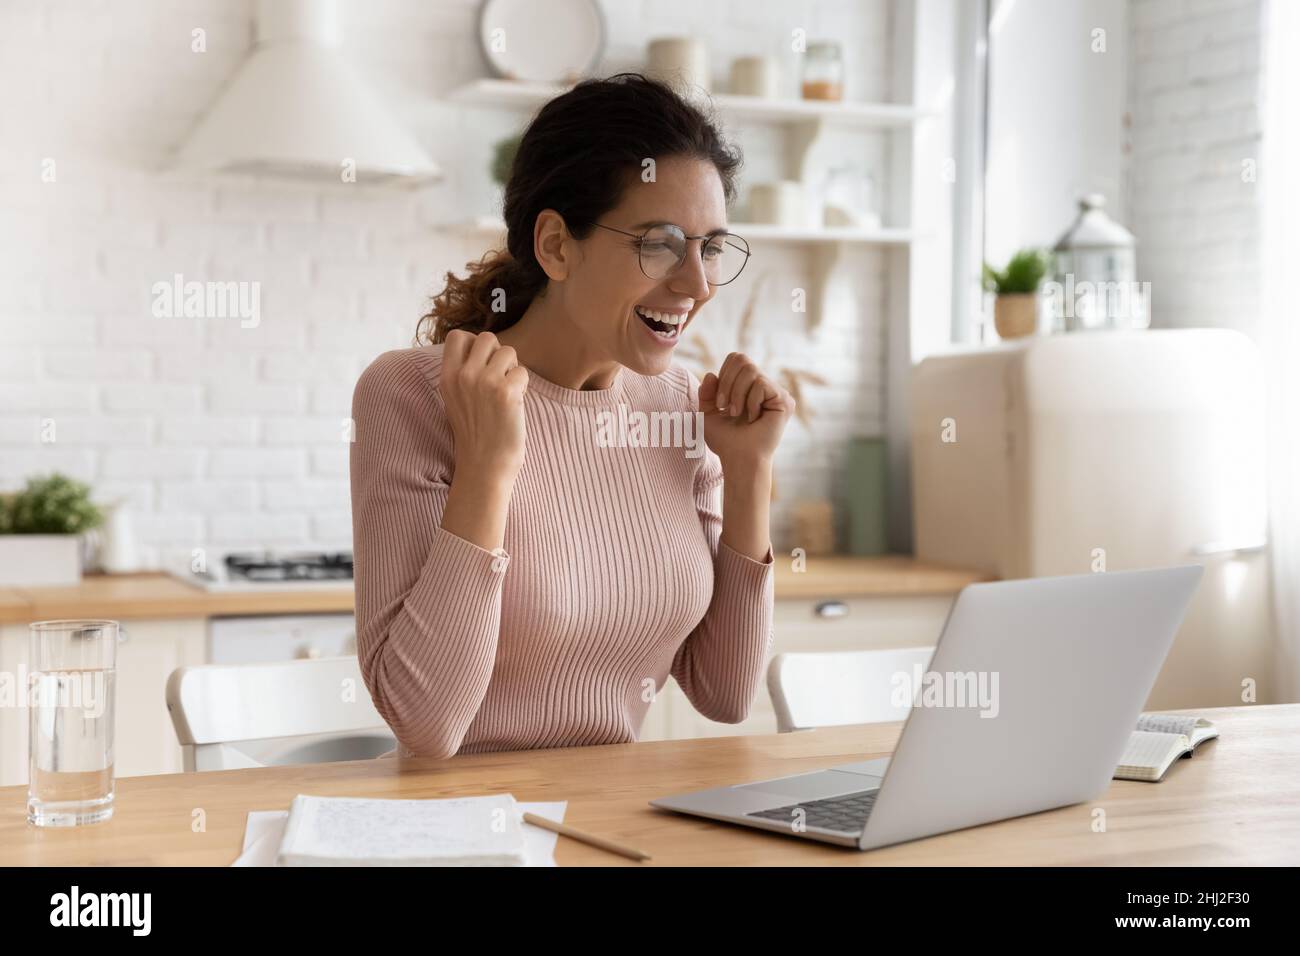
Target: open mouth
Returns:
[[666, 325]]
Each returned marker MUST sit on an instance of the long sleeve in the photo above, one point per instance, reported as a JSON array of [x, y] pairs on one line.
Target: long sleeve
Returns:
[[428, 603], [721, 664]]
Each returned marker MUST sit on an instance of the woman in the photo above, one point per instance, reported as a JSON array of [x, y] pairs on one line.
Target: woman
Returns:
[[521, 580]]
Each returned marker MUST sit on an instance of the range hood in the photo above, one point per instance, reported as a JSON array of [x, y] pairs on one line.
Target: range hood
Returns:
[[296, 108]]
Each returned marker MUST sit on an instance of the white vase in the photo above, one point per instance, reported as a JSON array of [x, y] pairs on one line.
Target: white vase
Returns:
[[756, 76], [118, 552], [681, 62], [779, 204]]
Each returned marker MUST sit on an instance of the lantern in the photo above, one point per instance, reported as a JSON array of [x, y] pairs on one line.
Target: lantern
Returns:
[[1095, 283]]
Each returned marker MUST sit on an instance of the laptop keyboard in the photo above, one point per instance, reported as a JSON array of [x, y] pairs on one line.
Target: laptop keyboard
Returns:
[[846, 813]]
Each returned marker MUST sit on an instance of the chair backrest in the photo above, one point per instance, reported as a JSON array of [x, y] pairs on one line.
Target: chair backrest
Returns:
[[845, 687], [216, 707]]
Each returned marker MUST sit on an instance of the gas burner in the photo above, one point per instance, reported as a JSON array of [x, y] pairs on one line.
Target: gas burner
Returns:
[[307, 566]]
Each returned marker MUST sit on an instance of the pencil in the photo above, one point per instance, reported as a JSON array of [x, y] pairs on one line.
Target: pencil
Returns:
[[601, 842]]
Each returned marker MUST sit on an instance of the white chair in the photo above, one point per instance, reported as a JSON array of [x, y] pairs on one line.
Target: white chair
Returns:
[[252, 715], [845, 687]]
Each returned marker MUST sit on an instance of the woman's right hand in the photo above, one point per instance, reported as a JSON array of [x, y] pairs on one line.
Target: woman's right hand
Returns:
[[483, 388]]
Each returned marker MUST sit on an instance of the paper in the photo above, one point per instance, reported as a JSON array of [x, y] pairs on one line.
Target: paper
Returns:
[[1169, 724], [452, 831], [262, 836], [265, 829], [1148, 749]]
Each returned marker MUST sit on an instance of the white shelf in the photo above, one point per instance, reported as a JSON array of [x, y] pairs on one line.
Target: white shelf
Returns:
[[521, 95], [880, 235], [490, 227]]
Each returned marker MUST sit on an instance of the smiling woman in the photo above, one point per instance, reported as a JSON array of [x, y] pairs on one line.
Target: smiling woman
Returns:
[[521, 580], [577, 160]]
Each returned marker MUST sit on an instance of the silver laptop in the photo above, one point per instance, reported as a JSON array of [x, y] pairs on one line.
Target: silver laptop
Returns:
[[1027, 704]]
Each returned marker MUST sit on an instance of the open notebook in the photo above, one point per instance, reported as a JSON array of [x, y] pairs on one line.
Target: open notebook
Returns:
[[349, 831], [1159, 740]]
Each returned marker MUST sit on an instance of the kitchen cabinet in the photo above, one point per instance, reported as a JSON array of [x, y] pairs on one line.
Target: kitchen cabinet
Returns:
[[808, 625], [13, 719], [281, 637], [144, 741]]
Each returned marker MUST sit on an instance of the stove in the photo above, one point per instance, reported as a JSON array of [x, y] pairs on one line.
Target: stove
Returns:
[[272, 571]]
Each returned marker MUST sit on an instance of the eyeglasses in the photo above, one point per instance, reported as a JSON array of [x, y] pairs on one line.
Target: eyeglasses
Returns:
[[662, 250]]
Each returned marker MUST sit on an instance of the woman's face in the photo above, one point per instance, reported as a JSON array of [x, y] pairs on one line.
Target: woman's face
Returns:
[[607, 293]]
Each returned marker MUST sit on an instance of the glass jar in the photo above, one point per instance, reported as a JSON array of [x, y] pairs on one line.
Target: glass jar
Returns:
[[823, 72]]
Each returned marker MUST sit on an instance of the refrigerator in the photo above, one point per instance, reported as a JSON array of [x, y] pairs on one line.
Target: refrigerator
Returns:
[[1110, 451]]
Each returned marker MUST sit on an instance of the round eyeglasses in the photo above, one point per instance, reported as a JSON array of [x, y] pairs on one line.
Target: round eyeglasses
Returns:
[[662, 250]]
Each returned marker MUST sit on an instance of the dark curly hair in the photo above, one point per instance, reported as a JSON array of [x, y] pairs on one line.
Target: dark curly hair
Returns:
[[577, 156]]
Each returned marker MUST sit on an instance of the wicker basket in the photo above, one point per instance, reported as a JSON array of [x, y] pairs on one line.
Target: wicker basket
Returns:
[[1016, 315]]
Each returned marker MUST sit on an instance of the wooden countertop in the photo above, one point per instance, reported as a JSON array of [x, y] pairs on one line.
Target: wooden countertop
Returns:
[[888, 575], [1231, 804], [156, 595]]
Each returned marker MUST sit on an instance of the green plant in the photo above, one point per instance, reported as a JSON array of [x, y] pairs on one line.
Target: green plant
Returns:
[[1023, 273], [55, 504], [503, 157]]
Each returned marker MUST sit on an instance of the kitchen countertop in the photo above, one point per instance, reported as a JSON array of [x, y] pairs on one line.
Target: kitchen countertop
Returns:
[[157, 595], [886, 575], [154, 594]]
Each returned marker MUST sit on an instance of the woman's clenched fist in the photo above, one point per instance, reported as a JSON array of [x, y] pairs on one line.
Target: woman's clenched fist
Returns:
[[483, 388], [745, 413]]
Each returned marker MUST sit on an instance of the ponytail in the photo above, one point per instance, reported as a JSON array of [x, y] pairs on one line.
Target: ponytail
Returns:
[[492, 297]]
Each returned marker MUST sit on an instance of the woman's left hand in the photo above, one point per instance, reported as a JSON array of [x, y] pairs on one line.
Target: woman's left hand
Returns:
[[745, 431]]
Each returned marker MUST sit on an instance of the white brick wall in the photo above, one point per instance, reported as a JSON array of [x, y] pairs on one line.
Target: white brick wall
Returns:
[[1194, 100], [227, 436]]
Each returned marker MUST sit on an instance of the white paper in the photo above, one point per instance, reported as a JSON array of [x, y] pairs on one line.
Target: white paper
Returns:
[[265, 828], [1170, 724], [1149, 749]]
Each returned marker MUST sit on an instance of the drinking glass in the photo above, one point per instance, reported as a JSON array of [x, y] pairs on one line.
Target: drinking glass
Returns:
[[71, 700]]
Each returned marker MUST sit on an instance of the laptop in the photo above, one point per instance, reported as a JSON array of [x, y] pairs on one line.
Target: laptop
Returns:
[[1028, 702]]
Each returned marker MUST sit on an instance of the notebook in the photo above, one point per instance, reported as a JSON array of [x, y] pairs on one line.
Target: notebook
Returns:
[[351, 831], [1159, 740]]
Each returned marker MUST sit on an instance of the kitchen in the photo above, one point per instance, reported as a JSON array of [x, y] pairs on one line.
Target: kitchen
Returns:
[[218, 215]]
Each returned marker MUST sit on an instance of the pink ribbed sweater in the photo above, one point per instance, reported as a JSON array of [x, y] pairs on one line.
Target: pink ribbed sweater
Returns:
[[613, 575]]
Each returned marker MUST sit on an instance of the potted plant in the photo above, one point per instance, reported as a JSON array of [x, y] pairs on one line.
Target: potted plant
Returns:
[[41, 528], [1015, 311]]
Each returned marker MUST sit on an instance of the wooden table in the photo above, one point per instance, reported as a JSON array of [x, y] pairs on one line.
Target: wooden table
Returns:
[[1237, 801]]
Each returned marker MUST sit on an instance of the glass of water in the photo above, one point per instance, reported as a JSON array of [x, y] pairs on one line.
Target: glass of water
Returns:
[[70, 700]]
